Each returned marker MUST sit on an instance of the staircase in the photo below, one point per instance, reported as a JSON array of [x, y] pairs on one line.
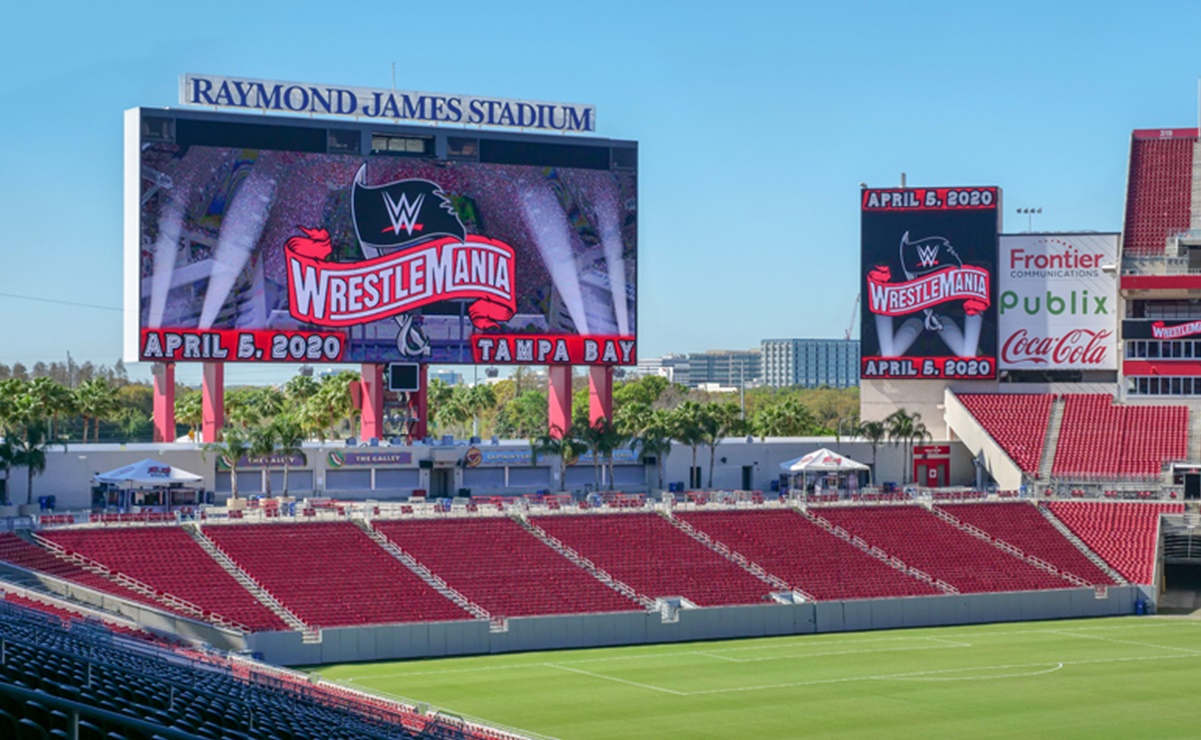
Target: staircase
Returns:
[[722, 549], [425, 574], [1079, 544], [891, 560], [1000, 544], [307, 632], [1053, 426], [583, 562]]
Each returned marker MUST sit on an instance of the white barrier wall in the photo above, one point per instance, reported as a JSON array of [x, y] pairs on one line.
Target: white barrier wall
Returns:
[[441, 639]]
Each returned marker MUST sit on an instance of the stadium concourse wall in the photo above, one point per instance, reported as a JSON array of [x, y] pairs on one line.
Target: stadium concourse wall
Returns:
[[69, 471], [445, 639], [997, 462]]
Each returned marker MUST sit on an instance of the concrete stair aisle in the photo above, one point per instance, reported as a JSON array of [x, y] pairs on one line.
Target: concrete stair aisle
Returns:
[[583, 562], [891, 560], [308, 632], [425, 574], [1000, 544], [722, 549], [1079, 544], [1054, 424]]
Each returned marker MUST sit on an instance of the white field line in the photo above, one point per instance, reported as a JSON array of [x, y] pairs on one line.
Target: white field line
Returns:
[[1130, 642], [618, 680], [957, 678], [712, 652]]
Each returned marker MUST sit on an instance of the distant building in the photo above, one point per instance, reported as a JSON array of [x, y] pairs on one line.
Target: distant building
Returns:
[[724, 367], [810, 363], [672, 367]]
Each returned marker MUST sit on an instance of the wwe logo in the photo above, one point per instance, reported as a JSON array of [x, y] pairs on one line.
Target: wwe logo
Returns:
[[402, 213], [927, 256]]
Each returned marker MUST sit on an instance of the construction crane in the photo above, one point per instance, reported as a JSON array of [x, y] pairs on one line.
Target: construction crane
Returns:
[[854, 315]]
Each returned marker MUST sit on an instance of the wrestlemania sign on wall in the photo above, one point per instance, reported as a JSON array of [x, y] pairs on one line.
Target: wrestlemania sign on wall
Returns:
[[259, 255], [1058, 307], [929, 289]]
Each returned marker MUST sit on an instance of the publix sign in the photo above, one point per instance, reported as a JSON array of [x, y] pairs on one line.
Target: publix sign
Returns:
[[1058, 303]]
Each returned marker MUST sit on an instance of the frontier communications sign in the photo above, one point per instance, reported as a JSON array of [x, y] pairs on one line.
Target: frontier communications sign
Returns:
[[273, 96], [1058, 307]]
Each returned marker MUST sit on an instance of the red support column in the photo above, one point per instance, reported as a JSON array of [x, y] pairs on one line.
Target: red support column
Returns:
[[558, 412], [600, 393], [212, 393], [164, 402], [372, 419], [419, 404]]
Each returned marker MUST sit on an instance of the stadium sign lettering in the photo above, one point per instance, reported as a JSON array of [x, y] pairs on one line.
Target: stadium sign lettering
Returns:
[[1078, 347], [1161, 331], [397, 105], [956, 283]]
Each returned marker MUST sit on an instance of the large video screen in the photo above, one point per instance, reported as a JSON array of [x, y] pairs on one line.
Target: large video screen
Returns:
[[260, 255], [928, 262]]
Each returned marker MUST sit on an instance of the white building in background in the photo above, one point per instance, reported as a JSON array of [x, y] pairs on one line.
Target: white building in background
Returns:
[[673, 367], [810, 363]]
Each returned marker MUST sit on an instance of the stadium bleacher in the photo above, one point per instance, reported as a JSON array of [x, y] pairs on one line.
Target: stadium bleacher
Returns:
[[170, 561], [656, 559], [495, 563], [791, 547], [924, 541], [1021, 525], [332, 574], [1124, 535], [1016, 421], [1158, 191], [1099, 439]]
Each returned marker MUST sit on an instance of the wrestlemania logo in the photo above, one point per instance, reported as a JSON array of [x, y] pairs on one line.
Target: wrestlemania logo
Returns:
[[934, 275], [416, 252]]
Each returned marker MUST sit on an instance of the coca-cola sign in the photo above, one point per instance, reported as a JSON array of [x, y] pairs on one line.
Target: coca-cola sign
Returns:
[[1076, 348], [1057, 302]]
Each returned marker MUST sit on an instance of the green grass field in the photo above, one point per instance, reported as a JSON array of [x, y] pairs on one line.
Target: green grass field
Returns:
[[1121, 677]]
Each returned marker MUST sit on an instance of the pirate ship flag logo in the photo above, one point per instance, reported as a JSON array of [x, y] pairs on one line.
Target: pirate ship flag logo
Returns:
[[416, 252], [935, 280]]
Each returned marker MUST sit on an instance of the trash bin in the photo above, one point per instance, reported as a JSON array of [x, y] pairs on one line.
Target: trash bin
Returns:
[[1140, 607]]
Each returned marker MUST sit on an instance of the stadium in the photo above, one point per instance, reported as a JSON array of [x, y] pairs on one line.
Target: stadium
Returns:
[[414, 586]]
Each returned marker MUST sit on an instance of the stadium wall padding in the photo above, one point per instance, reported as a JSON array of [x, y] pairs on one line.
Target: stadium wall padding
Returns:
[[444, 639]]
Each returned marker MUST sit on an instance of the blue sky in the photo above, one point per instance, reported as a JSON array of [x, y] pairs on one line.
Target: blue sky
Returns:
[[756, 123]]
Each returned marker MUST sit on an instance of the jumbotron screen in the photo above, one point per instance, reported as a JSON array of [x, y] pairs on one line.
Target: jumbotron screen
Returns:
[[377, 244], [928, 261]]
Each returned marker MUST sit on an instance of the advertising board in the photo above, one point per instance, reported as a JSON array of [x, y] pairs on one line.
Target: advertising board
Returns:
[[928, 262], [1058, 307], [259, 254]]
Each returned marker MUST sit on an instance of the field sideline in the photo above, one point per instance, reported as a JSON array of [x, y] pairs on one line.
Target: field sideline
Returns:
[[1125, 676]]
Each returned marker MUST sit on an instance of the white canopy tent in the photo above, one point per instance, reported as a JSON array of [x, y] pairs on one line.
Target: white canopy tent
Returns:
[[148, 472], [149, 482], [837, 471]]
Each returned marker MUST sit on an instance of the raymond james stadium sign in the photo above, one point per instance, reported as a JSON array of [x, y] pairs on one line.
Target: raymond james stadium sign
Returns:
[[395, 105]]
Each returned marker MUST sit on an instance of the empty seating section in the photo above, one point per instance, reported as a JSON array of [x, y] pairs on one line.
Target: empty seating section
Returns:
[[495, 563], [332, 574], [940, 549], [655, 558], [1017, 422], [1158, 192], [170, 561], [1021, 525], [17, 551], [85, 667], [1101, 440], [790, 547], [1123, 534]]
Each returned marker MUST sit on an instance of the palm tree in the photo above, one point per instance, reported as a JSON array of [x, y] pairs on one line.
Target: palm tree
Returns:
[[562, 443], [788, 418], [233, 447], [262, 445], [189, 410], [655, 437], [602, 438], [907, 428], [49, 399], [874, 432], [289, 440], [687, 419], [718, 422]]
